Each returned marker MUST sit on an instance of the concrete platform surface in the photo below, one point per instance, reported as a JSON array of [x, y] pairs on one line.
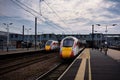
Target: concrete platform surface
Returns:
[[92, 65]]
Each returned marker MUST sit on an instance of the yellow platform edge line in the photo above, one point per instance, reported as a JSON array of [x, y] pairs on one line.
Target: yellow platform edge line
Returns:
[[81, 71], [90, 75]]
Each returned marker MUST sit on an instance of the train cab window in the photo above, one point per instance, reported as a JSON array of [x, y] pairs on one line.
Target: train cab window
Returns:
[[68, 42], [48, 42], [54, 43]]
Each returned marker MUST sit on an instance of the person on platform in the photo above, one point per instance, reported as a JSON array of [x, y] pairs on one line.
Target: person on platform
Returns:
[[105, 49]]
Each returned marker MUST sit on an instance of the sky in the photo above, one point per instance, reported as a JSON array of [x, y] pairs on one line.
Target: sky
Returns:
[[60, 16]]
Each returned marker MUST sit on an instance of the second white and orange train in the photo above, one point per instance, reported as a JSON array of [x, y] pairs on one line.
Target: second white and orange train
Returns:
[[69, 47]]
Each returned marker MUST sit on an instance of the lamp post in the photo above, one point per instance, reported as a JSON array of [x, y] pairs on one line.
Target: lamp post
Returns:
[[106, 33], [28, 37], [106, 30], [100, 36], [7, 34], [93, 35], [40, 36], [40, 44], [35, 32]]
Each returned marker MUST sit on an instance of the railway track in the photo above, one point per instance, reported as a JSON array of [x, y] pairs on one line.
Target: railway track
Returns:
[[58, 70], [14, 64], [55, 72], [31, 67]]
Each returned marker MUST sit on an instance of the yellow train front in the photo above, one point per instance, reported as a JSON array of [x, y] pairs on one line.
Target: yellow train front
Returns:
[[69, 47], [51, 45], [47, 45]]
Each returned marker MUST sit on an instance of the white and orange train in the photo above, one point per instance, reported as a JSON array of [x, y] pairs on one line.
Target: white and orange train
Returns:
[[69, 47], [51, 45]]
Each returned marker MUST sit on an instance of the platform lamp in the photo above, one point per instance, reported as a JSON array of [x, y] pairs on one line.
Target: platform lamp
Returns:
[[106, 30], [28, 37], [93, 34], [7, 34], [106, 42]]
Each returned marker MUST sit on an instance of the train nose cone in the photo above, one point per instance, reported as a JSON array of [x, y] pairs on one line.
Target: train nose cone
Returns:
[[66, 52], [47, 48]]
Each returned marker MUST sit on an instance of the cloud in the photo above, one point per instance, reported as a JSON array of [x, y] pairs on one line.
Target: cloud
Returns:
[[62, 15]]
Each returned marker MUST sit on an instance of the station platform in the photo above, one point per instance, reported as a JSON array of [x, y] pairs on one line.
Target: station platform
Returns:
[[19, 50], [92, 64], [115, 54]]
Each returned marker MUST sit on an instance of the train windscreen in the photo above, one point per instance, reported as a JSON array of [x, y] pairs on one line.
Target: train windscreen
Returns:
[[48, 43], [68, 42]]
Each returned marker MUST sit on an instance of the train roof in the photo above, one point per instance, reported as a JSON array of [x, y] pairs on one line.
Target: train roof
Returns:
[[53, 40], [70, 37]]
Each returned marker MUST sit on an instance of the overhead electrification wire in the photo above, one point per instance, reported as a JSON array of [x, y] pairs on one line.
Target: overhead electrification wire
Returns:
[[27, 10], [55, 12], [41, 16], [31, 12], [40, 7], [22, 7]]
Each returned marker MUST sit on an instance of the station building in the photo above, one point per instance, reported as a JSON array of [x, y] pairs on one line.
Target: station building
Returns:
[[3, 39], [15, 40], [113, 40]]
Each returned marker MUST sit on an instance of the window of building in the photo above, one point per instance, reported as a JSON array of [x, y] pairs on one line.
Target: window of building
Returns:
[[11, 36], [44, 35], [98, 36], [50, 35], [16, 35]]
